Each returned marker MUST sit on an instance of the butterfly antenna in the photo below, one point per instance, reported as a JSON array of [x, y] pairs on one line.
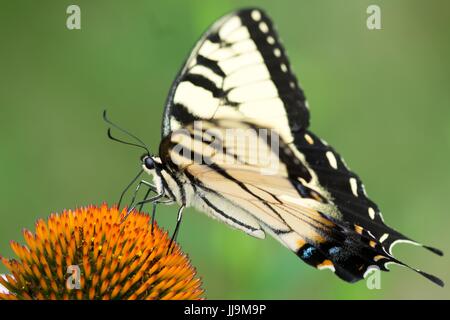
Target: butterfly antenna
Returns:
[[126, 142], [141, 143]]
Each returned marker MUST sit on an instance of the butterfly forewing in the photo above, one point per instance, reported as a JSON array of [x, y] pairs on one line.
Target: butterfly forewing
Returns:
[[238, 70]]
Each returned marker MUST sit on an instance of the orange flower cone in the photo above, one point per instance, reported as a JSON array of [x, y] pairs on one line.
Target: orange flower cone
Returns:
[[88, 253]]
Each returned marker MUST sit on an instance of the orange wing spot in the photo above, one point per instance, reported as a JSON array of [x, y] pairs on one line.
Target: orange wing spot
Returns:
[[358, 229], [378, 257], [326, 264], [300, 243], [372, 243], [319, 239]]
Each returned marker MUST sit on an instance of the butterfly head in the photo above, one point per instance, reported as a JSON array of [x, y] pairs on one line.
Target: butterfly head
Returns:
[[150, 163], [153, 166]]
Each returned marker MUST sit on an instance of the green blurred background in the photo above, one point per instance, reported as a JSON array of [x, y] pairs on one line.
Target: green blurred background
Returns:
[[380, 97]]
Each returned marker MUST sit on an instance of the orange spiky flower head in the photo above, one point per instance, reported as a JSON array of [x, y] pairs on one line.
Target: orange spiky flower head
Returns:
[[88, 253]]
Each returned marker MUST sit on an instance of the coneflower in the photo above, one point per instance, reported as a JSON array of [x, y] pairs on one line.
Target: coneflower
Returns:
[[89, 253]]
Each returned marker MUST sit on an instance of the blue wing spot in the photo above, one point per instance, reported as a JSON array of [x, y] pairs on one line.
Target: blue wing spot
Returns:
[[334, 250], [308, 252]]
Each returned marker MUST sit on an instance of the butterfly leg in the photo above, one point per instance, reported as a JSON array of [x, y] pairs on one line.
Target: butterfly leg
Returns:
[[154, 203], [152, 199], [145, 197], [153, 215], [150, 186], [128, 187], [177, 227], [143, 202], [153, 208]]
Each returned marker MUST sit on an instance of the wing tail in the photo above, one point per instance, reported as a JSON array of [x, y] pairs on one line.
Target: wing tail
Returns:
[[350, 252]]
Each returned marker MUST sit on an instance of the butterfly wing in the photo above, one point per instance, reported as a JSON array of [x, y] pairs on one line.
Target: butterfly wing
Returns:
[[238, 70], [284, 197]]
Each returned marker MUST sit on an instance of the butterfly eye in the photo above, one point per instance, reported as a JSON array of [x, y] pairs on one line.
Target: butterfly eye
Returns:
[[149, 163]]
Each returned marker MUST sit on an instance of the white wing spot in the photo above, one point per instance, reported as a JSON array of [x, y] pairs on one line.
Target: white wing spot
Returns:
[[354, 186], [309, 139], [256, 15], [384, 237], [371, 213], [270, 40], [283, 67], [331, 159], [277, 52], [263, 27], [292, 84], [330, 267]]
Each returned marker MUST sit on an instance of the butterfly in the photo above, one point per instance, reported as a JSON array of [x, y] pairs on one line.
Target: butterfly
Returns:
[[238, 82]]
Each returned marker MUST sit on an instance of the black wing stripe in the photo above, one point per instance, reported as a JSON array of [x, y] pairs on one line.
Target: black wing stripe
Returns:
[[210, 64], [181, 113], [196, 182], [241, 185], [205, 83], [214, 37], [223, 214], [165, 185]]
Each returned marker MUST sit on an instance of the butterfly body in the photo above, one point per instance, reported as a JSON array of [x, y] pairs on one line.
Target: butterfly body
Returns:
[[238, 81]]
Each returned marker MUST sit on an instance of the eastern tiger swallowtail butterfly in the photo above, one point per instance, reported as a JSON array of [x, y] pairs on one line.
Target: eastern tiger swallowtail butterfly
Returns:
[[238, 77]]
